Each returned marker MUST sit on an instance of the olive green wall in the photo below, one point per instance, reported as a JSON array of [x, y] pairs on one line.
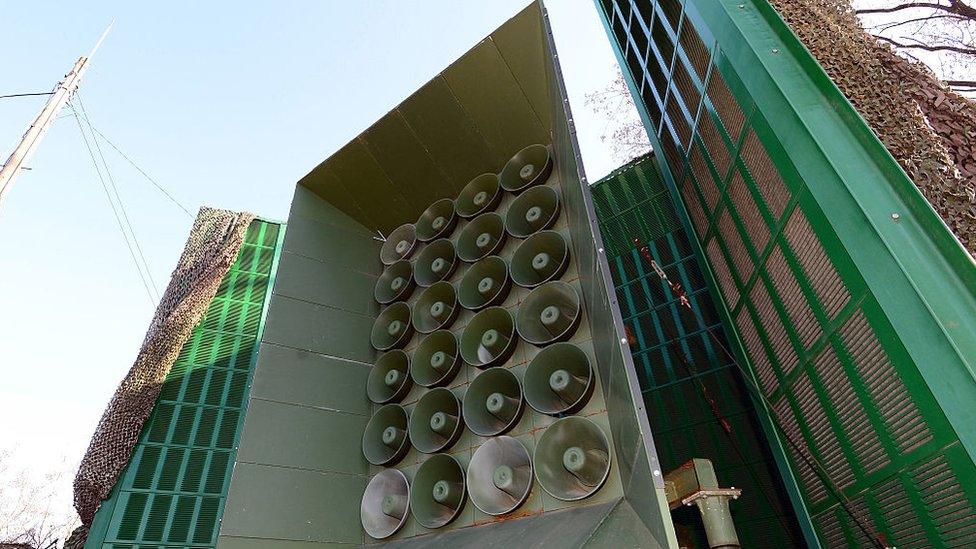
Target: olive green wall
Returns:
[[300, 471]]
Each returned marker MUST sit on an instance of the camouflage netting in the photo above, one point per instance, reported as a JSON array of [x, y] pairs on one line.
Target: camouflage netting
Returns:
[[930, 130], [211, 249]]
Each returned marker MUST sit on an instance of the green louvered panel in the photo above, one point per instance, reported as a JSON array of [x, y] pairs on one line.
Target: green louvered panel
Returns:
[[679, 362], [172, 492], [842, 389]]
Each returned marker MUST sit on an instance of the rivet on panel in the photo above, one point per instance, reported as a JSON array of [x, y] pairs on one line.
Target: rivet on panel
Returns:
[[895, 216], [775, 50]]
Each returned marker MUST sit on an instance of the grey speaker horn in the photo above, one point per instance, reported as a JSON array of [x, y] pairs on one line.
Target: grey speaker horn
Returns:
[[481, 237], [386, 504], [389, 379], [438, 491], [437, 221], [395, 284], [572, 458], [489, 338], [399, 244], [550, 313], [392, 328], [540, 258], [385, 440], [500, 475], [493, 402], [481, 194], [436, 360], [484, 283], [435, 262], [534, 210], [436, 423], [559, 380], [530, 166], [436, 308]]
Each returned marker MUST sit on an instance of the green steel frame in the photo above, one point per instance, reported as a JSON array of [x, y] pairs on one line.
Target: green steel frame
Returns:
[[839, 286], [173, 490], [695, 400]]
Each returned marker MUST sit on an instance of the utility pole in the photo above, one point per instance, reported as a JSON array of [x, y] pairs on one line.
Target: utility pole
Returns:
[[32, 138]]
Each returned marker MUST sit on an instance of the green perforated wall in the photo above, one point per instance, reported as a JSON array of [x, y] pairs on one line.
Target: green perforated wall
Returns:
[[172, 492], [841, 290], [696, 403]]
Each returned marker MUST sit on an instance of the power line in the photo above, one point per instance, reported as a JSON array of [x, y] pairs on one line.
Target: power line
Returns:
[[24, 94], [118, 197], [118, 220], [143, 172]]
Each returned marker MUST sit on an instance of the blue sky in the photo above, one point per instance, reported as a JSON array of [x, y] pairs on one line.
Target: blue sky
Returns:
[[223, 104]]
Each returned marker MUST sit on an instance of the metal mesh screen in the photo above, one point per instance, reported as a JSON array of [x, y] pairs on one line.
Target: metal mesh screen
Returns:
[[172, 491], [835, 374], [679, 361]]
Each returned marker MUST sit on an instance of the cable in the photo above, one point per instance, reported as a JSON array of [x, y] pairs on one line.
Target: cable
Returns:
[[24, 94], [118, 197], [808, 459], [144, 174], [112, 204]]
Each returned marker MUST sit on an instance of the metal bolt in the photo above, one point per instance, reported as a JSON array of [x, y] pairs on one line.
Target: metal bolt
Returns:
[[775, 50], [742, 6], [895, 216], [600, 250], [623, 341], [657, 472]]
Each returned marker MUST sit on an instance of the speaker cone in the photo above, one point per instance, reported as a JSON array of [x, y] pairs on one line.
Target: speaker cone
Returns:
[[572, 459], [392, 328], [389, 379], [530, 166], [485, 283], [481, 194], [500, 475], [436, 308], [436, 422], [549, 313], [436, 360], [489, 338], [435, 262], [385, 440], [395, 284], [437, 221], [559, 380], [438, 491], [386, 504], [534, 210], [481, 237], [493, 402], [399, 245], [540, 258]]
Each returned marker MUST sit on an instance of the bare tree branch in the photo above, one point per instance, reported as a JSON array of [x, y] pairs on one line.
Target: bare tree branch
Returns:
[[902, 7], [926, 47]]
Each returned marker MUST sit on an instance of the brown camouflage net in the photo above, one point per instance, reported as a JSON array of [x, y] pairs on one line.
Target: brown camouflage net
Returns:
[[930, 130], [211, 249]]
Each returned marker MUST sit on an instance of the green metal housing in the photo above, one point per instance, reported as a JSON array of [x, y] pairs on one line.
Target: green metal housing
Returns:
[[839, 287], [172, 492]]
